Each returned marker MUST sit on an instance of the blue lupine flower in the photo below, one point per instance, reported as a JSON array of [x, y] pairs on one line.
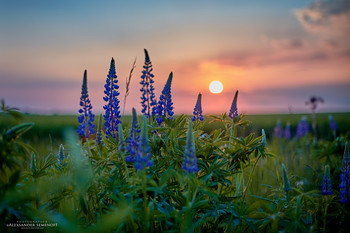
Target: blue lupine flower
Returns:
[[148, 98], [112, 112], [233, 110], [278, 131], [165, 104], [134, 138], [287, 134], [345, 177], [332, 124], [190, 159], [326, 185], [86, 117], [303, 127], [197, 112], [143, 156], [61, 155]]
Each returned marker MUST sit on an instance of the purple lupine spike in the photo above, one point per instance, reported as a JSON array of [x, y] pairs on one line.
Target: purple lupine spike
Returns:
[[326, 185], [134, 138], [345, 177], [86, 117], [303, 127], [332, 124], [143, 156], [233, 110], [148, 98], [197, 112], [190, 159], [112, 112], [287, 134], [165, 104], [278, 131]]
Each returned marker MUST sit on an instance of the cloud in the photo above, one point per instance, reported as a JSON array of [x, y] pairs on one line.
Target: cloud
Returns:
[[329, 17]]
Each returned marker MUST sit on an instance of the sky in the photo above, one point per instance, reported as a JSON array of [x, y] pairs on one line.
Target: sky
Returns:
[[276, 53]]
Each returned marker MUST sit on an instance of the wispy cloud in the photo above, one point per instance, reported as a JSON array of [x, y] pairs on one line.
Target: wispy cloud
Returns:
[[331, 17]]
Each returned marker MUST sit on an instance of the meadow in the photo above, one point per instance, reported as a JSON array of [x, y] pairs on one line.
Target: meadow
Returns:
[[155, 171]]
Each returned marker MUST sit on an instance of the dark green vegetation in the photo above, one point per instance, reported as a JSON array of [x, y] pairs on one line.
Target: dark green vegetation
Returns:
[[48, 129], [240, 185]]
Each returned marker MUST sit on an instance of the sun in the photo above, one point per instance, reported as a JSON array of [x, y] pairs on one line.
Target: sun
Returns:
[[216, 87]]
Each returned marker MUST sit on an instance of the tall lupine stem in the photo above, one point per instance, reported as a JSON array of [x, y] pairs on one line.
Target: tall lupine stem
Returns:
[[148, 98], [112, 112], [278, 131], [333, 125], [134, 138], [143, 157], [86, 117], [233, 114], [303, 127], [99, 131], [286, 183], [326, 185], [190, 159], [287, 134], [326, 190], [165, 104], [197, 112], [345, 177], [233, 110], [61, 155], [122, 147]]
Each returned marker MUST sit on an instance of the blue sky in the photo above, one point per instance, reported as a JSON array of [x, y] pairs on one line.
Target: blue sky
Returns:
[[281, 52]]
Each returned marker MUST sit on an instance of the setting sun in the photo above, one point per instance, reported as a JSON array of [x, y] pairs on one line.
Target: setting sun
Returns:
[[216, 87]]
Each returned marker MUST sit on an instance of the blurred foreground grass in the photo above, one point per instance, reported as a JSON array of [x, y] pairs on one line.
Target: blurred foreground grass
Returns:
[[47, 132]]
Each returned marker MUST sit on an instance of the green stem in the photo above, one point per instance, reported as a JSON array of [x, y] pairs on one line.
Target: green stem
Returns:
[[144, 190], [250, 179], [188, 226], [325, 199]]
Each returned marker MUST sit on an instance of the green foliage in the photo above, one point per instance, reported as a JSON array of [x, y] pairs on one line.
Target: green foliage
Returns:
[[240, 186]]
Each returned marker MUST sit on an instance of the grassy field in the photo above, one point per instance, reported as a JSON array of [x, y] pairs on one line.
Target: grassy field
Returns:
[[51, 125], [240, 186], [47, 133]]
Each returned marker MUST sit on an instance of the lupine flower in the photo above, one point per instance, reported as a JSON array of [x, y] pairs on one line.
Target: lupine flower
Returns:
[[233, 110], [86, 117], [99, 131], [165, 104], [345, 177], [278, 131], [148, 98], [61, 155], [190, 159], [303, 127], [112, 112], [326, 186], [286, 183], [263, 140], [134, 138], [287, 133], [332, 124], [143, 156], [121, 139], [197, 112]]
